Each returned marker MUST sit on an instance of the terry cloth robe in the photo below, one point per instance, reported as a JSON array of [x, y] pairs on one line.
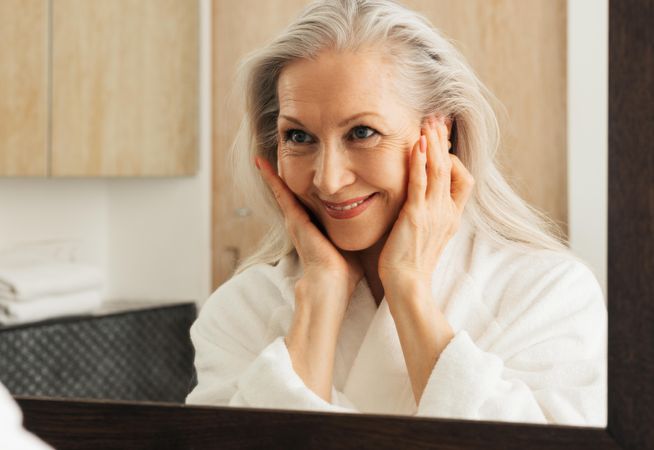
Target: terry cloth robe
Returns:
[[530, 342]]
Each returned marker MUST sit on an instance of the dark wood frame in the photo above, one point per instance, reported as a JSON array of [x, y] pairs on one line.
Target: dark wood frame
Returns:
[[110, 424]]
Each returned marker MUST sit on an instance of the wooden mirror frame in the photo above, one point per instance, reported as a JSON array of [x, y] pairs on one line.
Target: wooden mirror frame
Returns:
[[125, 425]]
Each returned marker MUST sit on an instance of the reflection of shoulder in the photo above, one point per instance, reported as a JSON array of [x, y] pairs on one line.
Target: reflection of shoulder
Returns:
[[519, 274], [256, 291]]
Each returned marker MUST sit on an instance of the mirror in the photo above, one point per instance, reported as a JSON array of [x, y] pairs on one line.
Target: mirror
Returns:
[[130, 209], [548, 89]]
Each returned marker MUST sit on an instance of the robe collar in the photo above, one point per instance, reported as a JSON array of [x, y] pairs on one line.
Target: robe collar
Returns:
[[370, 368], [378, 380]]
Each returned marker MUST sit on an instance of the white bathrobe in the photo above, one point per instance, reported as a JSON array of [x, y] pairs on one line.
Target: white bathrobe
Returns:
[[530, 342]]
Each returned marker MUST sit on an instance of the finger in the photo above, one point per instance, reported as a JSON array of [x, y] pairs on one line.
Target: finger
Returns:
[[443, 147], [286, 200], [462, 183], [418, 172], [438, 165]]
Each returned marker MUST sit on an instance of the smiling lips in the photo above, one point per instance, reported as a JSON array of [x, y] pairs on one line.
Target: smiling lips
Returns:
[[348, 209]]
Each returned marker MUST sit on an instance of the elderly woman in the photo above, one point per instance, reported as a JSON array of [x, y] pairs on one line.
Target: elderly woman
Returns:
[[401, 274]]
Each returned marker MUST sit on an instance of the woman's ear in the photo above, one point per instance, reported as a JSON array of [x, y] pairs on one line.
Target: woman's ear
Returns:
[[448, 123]]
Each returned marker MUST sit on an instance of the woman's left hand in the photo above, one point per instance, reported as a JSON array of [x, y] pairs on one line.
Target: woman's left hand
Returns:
[[439, 187]]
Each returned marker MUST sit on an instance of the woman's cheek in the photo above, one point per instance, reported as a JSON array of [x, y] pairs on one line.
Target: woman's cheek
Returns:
[[292, 173], [388, 156], [390, 168]]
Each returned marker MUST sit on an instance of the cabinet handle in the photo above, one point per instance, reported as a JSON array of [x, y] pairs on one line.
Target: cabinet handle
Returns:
[[243, 212]]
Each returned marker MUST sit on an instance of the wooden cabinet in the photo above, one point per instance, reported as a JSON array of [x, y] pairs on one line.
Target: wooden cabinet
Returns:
[[23, 87], [124, 87], [121, 95]]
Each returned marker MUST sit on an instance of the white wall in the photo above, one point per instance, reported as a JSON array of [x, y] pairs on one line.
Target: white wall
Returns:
[[151, 235], [588, 132], [65, 217]]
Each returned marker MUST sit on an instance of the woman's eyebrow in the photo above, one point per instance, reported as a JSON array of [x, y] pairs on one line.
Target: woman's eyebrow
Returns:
[[341, 124], [356, 116], [292, 119]]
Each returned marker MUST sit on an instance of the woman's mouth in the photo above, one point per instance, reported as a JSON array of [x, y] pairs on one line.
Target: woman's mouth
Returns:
[[348, 211]]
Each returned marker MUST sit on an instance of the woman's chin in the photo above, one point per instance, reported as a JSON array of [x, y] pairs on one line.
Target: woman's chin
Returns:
[[353, 243]]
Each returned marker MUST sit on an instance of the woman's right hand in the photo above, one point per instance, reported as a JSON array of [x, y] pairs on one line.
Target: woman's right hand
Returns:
[[322, 294], [324, 266]]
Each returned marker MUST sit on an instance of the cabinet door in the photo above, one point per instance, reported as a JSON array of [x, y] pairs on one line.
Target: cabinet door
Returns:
[[23, 87], [124, 87]]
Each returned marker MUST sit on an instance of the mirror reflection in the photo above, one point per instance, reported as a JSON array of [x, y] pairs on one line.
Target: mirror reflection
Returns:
[[388, 198]]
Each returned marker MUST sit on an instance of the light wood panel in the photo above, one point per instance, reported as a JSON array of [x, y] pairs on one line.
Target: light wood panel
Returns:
[[125, 87], [23, 87], [517, 47], [237, 30]]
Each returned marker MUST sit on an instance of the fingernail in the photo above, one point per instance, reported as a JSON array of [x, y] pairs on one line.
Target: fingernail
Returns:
[[423, 143]]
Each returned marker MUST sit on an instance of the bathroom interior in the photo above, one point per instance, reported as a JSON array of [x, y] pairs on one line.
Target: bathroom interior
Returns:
[[118, 217]]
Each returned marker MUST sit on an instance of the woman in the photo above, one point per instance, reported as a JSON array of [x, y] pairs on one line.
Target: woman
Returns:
[[401, 274]]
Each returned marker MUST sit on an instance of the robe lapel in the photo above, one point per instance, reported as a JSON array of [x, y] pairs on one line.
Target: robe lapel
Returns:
[[378, 381]]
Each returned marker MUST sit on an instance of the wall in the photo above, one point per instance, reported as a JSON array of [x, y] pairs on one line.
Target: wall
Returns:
[[66, 216], [588, 28], [150, 235]]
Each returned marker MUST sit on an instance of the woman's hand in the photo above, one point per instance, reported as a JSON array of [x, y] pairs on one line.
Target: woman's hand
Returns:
[[439, 187], [321, 294], [324, 266]]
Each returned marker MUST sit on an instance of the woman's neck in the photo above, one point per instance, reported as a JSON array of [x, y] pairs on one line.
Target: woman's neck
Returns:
[[369, 259]]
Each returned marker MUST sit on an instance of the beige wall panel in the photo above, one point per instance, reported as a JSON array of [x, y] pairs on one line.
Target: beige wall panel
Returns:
[[23, 87], [238, 28], [125, 87], [517, 47]]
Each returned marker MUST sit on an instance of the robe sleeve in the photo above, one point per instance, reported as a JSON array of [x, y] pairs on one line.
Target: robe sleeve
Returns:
[[13, 434], [235, 361], [543, 359]]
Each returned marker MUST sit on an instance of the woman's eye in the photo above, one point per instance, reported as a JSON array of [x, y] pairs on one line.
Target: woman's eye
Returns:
[[297, 137], [362, 132]]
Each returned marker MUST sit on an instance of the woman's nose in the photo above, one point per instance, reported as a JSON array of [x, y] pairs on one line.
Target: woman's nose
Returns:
[[332, 171]]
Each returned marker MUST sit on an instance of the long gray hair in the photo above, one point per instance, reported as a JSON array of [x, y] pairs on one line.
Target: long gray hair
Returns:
[[432, 76]]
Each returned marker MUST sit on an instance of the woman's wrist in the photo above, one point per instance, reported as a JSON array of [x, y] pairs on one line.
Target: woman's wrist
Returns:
[[312, 337], [324, 295], [409, 285], [316, 314]]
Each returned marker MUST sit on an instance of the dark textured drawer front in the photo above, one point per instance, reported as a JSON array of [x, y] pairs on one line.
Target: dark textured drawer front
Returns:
[[138, 355]]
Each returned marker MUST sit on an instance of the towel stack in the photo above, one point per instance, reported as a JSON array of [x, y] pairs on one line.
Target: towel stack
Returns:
[[42, 289]]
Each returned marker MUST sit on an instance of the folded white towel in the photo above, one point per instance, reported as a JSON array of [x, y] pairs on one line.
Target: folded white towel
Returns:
[[25, 281], [83, 302]]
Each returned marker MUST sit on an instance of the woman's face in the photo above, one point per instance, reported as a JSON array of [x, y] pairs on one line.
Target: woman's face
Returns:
[[345, 135]]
